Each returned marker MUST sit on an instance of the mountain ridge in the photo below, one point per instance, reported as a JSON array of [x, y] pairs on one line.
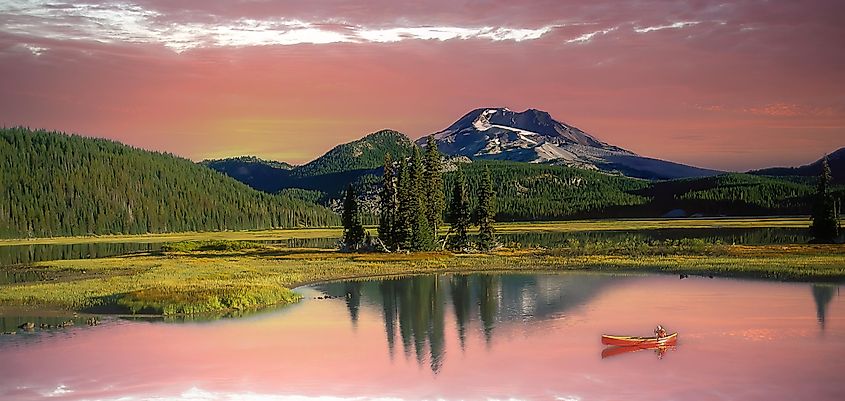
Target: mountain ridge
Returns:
[[534, 136], [836, 161]]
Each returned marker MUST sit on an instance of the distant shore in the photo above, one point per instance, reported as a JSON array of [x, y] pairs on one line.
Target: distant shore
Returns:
[[249, 276], [632, 224]]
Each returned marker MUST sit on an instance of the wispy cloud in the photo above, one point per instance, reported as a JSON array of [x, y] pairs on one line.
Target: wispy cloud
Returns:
[[35, 50], [590, 35], [779, 109], [675, 25], [131, 23]]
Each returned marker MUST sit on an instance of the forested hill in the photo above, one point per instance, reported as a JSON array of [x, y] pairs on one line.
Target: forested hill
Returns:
[[363, 154], [527, 191], [54, 184], [329, 174]]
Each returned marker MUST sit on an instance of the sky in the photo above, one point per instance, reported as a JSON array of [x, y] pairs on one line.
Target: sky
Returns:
[[727, 85]]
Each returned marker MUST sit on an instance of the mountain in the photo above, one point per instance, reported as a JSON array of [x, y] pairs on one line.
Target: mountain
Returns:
[[258, 173], [56, 184], [534, 136], [354, 162], [365, 153], [835, 160]]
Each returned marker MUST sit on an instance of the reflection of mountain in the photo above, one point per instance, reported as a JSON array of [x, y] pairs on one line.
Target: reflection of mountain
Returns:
[[415, 306], [822, 294]]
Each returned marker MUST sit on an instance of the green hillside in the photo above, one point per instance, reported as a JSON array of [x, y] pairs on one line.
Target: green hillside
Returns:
[[526, 191], [327, 176], [55, 184], [363, 154]]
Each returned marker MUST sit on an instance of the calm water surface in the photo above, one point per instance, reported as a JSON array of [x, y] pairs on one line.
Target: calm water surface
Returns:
[[519, 336]]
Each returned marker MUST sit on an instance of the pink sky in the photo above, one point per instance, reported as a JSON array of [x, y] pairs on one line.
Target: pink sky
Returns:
[[739, 85]]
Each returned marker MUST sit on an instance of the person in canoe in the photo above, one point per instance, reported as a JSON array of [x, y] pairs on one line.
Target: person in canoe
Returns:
[[660, 332]]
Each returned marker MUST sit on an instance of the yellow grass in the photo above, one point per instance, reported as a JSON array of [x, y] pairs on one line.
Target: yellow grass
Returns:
[[207, 281]]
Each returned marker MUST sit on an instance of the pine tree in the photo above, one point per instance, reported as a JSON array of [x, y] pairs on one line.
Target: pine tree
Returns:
[[459, 212], [825, 226], [421, 238], [485, 214], [435, 200], [387, 216], [404, 213], [353, 229]]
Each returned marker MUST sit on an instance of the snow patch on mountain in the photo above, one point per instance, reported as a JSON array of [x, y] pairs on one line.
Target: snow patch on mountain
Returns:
[[534, 136]]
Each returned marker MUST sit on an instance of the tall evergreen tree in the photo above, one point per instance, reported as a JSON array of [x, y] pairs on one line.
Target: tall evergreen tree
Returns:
[[485, 214], [459, 212], [435, 199], [825, 226], [421, 236], [353, 229], [404, 211], [388, 204]]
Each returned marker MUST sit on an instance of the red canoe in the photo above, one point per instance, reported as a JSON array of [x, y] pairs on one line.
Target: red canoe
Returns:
[[627, 341]]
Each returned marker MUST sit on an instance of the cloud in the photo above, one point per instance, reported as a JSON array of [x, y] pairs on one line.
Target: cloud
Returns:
[[589, 36], [779, 109], [675, 25], [35, 50], [448, 33], [131, 23]]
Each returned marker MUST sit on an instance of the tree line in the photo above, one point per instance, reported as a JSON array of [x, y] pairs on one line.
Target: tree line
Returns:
[[52, 184], [412, 206]]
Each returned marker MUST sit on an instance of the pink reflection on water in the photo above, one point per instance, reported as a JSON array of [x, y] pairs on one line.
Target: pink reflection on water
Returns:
[[739, 340]]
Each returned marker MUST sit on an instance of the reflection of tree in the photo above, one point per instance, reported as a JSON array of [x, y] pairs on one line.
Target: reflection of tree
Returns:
[[822, 294], [389, 310], [461, 300], [436, 331], [488, 303], [353, 300], [421, 317], [418, 305]]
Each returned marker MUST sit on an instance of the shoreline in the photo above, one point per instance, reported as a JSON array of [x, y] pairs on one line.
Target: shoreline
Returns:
[[173, 284], [280, 234]]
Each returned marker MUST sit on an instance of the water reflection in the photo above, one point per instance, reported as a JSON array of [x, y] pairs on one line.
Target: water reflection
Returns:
[[21, 276], [509, 336], [822, 294], [414, 307], [25, 254], [659, 350]]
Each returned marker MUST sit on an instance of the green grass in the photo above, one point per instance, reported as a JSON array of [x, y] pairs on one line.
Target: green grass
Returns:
[[209, 245], [214, 277]]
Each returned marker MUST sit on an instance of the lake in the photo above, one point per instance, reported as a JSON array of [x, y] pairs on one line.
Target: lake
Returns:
[[31, 253], [477, 336]]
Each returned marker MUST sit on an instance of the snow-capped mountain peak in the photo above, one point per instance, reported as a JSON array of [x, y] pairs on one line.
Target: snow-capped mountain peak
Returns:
[[534, 136], [530, 136]]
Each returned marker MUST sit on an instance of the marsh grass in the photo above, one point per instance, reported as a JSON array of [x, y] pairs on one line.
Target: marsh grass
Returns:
[[225, 277], [210, 245], [637, 247]]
